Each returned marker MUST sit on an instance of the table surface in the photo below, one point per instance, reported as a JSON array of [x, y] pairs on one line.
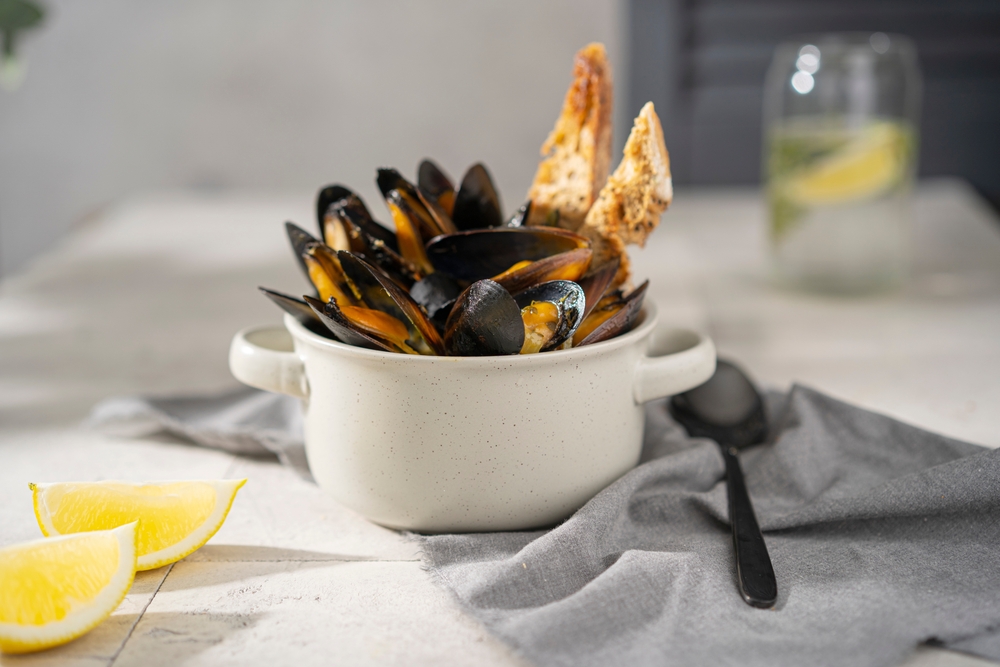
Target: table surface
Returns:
[[145, 298]]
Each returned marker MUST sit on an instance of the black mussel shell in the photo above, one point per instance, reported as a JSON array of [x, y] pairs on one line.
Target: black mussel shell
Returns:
[[520, 217], [372, 241], [477, 204], [326, 197], [436, 184], [434, 293], [328, 260], [353, 208], [378, 291], [295, 307], [402, 271], [484, 253], [570, 265], [300, 238], [568, 297], [331, 315], [597, 282], [427, 216], [485, 321], [622, 321], [411, 240]]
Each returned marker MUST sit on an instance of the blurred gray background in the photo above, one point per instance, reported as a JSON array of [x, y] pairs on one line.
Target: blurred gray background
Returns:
[[126, 96], [703, 63], [122, 98]]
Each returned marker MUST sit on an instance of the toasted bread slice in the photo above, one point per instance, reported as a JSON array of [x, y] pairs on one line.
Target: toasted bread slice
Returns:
[[577, 153], [630, 204]]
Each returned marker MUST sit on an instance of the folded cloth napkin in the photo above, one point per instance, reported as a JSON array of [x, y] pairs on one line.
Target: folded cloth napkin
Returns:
[[244, 421], [882, 536]]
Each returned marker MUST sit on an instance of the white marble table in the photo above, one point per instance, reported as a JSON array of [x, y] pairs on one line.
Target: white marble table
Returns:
[[145, 299]]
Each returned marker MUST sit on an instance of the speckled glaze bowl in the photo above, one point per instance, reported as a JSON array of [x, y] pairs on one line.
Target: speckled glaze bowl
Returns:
[[438, 444]]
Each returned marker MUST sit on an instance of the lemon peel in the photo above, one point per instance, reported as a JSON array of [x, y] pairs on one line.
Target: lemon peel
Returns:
[[54, 590], [175, 518], [865, 167]]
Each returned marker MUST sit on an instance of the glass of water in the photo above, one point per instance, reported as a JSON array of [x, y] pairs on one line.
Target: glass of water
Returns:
[[840, 146]]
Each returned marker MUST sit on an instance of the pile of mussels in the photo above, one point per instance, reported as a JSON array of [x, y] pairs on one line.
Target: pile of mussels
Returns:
[[454, 278]]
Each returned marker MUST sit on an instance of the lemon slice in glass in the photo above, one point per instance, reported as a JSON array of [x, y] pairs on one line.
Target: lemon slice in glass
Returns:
[[865, 167], [175, 518], [54, 590]]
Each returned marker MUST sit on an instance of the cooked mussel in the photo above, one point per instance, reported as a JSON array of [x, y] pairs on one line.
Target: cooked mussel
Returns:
[[327, 274], [568, 265], [436, 185], [295, 307], [550, 312], [436, 294], [477, 204], [351, 209], [427, 217], [612, 318], [596, 283], [411, 244], [371, 240], [484, 321], [299, 238], [331, 229], [484, 253], [379, 292], [359, 331]]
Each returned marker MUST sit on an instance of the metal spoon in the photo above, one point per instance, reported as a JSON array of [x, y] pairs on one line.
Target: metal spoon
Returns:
[[729, 410]]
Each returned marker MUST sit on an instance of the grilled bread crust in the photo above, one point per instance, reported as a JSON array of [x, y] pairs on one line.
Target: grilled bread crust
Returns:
[[577, 153], [631, 202]]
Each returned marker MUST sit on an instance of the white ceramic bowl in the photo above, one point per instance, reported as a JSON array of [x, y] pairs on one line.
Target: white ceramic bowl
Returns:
[[471, 443]]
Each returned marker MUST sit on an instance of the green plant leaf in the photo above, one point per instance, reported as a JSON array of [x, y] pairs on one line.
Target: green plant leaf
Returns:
[[17, 16]]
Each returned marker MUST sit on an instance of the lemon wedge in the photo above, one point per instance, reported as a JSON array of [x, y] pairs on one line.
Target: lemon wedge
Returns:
[[865, 167], [175, 518], [54, 590]]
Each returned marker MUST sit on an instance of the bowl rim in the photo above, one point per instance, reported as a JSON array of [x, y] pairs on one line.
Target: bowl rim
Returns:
[[647, 322]]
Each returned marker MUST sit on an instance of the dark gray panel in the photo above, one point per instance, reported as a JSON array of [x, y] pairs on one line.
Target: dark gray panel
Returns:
[[703, 64]]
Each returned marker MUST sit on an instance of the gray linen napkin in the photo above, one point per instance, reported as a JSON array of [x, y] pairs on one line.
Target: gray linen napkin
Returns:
[[883, 536], [244, 421]]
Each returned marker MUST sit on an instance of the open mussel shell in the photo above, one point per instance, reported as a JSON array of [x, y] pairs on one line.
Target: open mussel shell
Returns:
[[332, 233], [484, 321], [379, 292], [477, 204], [352, 208], [295, 307], [371, 240], [597, 281], [549, 328], [436, 293], [300, 239], [484, 253], [430, 219], [520, 217], [338, 324], [436, 185], [570, 265], [327, 274], [411, 242], [621, 321]]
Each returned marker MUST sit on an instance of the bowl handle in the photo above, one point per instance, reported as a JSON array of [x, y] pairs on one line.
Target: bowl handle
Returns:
[[264, 357], [677, 360]]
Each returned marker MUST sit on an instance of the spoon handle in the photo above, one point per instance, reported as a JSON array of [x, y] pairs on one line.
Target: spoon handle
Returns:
[[753, 565]]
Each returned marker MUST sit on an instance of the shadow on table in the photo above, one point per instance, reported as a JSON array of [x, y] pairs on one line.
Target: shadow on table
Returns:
[[241, 553], [173, 638], [220, 564]]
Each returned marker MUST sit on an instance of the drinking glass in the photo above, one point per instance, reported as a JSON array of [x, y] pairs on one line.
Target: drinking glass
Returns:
[[840, 146]]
